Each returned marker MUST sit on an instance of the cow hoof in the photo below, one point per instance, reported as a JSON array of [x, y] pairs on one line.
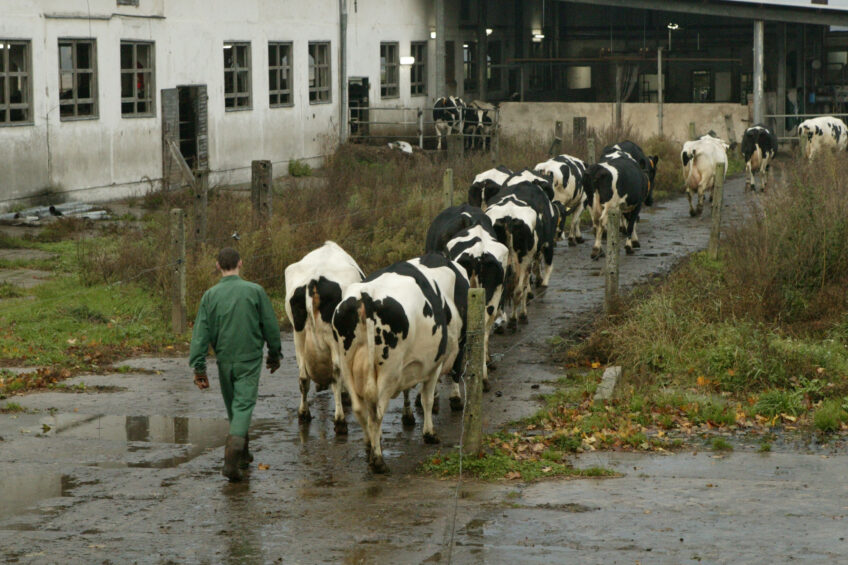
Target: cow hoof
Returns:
[[530, 295], [636, 245], [378, 465], [628, 249], [580, 239], [491, 366], [512, 324], [499, 329], [572, 242], [486, 386], [408, 420], [455, 404], [431, 438], [597, 253], [522, 318], [340, 426], [304, 417], [692, 212], [345, 398]]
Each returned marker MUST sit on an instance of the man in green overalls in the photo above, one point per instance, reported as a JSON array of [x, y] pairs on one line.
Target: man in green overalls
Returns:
[[236, 318]]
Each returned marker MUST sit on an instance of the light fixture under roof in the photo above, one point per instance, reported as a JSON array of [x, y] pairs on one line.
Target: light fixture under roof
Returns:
[[673, 26], [407, 61]]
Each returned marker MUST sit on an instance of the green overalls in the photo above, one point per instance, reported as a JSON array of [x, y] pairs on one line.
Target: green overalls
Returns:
[[236, 318]]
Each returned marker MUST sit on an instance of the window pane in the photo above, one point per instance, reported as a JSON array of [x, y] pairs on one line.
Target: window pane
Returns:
[[66, 61], [228, 56], [66, 85], [272, 80], [127, 108], [242, 55], [126, 85], [141, 108], [242, 85], [126, 56], [17, 58], [85, 110], [143, 85], [2, 90], [66, 110], [273, 55], [84, 85], [142, 55], [229, 102], [229, 82], [83, 56]]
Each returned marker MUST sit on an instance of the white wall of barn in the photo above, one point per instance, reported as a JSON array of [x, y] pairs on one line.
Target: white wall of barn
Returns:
[[110, 156]]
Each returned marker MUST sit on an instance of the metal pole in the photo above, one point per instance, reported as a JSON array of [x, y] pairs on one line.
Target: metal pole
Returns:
[[619, 70], [780, 125], [440, 88], [611, 286], [472, 436], [482, 51], [178, 280], [343, 101], [447, 188], [421, 129], [201, 204], [718, 194], [758, 71], [659, 92]]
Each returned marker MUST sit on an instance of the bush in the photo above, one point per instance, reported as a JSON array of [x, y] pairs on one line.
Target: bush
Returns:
[[298, 168], [830, 416]]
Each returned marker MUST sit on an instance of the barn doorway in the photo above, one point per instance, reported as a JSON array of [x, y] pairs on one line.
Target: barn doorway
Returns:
[[357, 95], [185, 123]]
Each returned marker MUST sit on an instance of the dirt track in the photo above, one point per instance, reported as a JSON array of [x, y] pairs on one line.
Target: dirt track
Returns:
[[129, 470]]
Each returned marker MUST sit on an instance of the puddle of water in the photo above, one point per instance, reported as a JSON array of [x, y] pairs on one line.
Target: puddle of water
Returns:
[[20, 492]]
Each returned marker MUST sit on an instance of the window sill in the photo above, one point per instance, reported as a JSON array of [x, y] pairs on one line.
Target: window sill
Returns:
[[78, 118], [319, 102], [137, 116], [248, 109], [275, 106]]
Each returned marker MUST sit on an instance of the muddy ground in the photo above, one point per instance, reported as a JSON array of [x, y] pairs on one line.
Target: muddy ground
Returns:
[[128, 471]]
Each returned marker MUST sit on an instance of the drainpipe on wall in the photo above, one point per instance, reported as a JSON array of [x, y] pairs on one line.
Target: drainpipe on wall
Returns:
[[343, 71], [758, 71], [440, 86]]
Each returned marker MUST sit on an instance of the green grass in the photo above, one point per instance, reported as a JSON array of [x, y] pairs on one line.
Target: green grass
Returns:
[[498, 465], [720, 444], [831, 415], [12, 408]]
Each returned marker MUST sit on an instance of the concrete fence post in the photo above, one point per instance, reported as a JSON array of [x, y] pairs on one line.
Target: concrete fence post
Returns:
[[447, 188], [178, 279], [260, 190], [420, 129], [692, 130], [718, 194], [578, 128], [556, 146], [201, 204], [590, 151], [472, 435], [612, 252]]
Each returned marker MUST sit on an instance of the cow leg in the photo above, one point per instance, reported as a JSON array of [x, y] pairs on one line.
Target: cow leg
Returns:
[[692, 211], [630, 217], [750, 182], [548, 255], [634, 238], [455, 396], [375, 431], [574, 235], [339, 423], [407, 417], [303, 414], [427, 390], [600, 224]]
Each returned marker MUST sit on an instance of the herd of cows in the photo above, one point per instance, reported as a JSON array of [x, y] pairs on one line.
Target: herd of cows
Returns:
[[380, 335]]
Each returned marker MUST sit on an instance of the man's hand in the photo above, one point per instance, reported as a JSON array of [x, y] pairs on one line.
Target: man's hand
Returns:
[[272, 363], [201, 381]]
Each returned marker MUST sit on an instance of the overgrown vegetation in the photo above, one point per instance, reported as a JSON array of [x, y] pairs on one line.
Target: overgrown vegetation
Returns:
[[762, 333]]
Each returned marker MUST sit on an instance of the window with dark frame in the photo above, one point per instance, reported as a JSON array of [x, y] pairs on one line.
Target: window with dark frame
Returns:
[[77, 78], [469, 66], [127, 2], [389, 65], [319, 72], [418, 72], [137, 75], [237, 75], [15, 82], [280, 74]]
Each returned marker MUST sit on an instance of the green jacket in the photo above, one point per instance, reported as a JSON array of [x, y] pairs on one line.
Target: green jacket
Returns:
[[236, 318]]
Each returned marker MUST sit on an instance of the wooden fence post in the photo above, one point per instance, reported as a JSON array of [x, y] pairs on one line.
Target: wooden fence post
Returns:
[[692, 130], [201, 203], [731, 132], [611, 286], [472, 434], [178, 280], [590, 151], [718, 194], [802, 145], [260, 190], [447, 188]]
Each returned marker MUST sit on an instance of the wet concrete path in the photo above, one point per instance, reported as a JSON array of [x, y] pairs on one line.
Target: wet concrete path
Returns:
[[128, 469]]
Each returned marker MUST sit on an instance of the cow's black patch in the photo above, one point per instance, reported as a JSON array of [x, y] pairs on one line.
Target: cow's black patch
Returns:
[[450, 222], [329, 294], [297, 303], [490, 310], [428, 310], [378, 340], [345, 321]]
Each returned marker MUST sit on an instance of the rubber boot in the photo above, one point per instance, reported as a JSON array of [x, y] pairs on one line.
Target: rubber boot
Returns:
[[232, 456], [246, 455]]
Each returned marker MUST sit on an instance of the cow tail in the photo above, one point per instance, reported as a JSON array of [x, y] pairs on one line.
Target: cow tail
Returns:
[[313, 303], [370, 333]]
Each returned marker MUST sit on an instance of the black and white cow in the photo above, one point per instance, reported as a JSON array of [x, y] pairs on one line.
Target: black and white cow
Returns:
[[485, 261], [824, 132], [448, 114], [314, 287], [700, 157], [477, 128], [523, 218], [616, 181], [542, 180], [450, 222], [759, 146], [486, 185], [567, 175], [647, 163], [402, 326]]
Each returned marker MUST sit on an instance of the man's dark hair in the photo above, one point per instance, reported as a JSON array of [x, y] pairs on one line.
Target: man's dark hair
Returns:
[[228, 259]]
